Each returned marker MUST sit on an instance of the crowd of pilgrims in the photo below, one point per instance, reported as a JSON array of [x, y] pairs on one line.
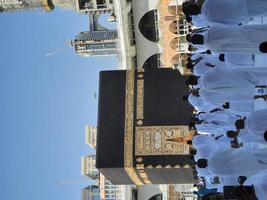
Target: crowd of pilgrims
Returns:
[[229, 95]]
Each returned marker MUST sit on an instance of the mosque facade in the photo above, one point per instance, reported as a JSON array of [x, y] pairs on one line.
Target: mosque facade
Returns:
[[153, 32], [149, 35]]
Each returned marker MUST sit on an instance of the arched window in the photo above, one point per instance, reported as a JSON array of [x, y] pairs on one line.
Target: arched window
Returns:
[[153, 62], [156, 197], [148, 26], [175, 59], [173, 27], [174, 43], [179, 27]]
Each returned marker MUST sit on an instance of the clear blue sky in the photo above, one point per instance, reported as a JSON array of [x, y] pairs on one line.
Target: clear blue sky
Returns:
[[45, 104]]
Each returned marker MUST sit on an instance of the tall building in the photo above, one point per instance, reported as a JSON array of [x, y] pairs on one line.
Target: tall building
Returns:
[[90, 193], [108, 191], [99, 41], [88, 166], [96, 43], [90, 136], [21, 5]]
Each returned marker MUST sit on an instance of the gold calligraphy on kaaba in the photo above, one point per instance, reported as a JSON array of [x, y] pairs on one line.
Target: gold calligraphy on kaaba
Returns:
[[162, 140], [140, 100], [128, 136]]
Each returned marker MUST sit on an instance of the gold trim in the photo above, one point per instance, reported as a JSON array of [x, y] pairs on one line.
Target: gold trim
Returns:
[[140, 100], [141, 170], [128, 137], [132, 174], [140, 70]]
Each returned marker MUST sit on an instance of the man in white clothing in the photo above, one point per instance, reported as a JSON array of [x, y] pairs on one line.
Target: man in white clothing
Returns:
[[255, 123], [237, 80], [199, 104], [239, 60], [233, 39], [221, 118], [226, 11], [259, 182], [199, 21], [233, 162]]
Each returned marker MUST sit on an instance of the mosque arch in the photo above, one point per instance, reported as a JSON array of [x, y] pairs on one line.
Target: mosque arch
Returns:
[[153, 62], [179, 27], [148, 26], [175, 59], [173, 27], [174, 43], [156, 197], [183, 58]]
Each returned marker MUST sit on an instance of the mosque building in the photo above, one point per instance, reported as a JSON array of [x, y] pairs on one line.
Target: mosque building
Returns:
[[153, 33], [149, 35]]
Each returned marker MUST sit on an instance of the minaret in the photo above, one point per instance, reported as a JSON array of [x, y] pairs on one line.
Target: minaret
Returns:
[[21, 5]]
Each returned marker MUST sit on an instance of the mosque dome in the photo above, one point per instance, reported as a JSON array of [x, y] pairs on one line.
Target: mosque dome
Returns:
[[67, 4]]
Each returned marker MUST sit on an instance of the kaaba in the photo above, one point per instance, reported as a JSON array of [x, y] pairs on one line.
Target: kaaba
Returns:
[[143, 127]]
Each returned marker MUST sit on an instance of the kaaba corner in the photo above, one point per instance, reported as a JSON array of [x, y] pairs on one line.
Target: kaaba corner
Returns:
[[143, 127]]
